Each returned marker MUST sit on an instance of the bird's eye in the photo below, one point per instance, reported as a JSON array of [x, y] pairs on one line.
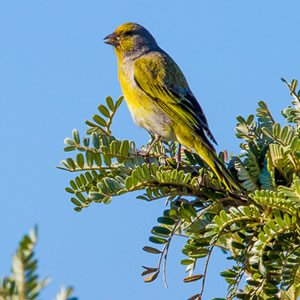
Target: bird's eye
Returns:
[[128, 33]]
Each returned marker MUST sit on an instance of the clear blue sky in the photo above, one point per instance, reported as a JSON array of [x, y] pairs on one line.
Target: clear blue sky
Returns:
[[54, 72]]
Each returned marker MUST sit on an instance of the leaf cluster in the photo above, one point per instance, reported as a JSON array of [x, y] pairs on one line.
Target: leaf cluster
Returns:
[[24, 283], [258, 228]]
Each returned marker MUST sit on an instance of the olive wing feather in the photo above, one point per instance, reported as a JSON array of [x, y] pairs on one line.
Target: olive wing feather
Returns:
[[162, 80]]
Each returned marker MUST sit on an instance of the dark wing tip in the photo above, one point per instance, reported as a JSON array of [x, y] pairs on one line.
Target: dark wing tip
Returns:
[[210, 135], [201, 116]]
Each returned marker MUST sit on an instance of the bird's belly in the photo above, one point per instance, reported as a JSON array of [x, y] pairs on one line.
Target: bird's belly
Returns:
[[153, 120], [147, 114]]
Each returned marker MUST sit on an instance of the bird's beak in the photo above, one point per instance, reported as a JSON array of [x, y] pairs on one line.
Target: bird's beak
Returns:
[[112, 39]]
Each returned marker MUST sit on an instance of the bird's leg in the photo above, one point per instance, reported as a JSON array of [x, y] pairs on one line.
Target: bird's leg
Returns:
[[178, 156], [154, 139]]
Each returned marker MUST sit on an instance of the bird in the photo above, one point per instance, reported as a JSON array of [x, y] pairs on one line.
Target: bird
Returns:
[[159, 98]]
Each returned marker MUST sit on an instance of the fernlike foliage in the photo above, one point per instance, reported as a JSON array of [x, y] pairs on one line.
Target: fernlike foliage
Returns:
[[23, 283], [258, 228]]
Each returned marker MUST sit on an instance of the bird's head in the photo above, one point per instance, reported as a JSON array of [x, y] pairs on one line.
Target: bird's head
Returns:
[[131, 39]]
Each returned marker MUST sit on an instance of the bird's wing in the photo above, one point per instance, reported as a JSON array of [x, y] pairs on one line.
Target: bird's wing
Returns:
[[162, 80]]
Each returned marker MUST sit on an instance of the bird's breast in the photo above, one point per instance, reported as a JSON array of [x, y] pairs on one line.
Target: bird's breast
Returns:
[[143, 109]]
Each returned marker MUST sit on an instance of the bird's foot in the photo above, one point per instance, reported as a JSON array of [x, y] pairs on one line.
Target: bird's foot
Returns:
[[144, 153], [150, 147]]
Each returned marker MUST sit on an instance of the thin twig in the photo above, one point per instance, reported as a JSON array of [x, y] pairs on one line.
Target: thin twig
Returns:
[[198, 217], [205, 270], [164, 254]]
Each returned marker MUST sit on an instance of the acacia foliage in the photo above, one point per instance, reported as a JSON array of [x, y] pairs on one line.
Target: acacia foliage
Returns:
[[258, 228], [24, 283]]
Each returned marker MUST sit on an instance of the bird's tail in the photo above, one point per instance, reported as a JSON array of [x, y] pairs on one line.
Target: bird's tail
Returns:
[[217, 166]]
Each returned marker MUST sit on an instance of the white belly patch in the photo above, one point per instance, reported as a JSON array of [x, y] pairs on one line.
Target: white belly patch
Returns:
[[153, 119]]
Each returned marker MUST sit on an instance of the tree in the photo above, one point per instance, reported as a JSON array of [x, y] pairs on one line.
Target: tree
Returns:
[[24, 283], [258, 228]]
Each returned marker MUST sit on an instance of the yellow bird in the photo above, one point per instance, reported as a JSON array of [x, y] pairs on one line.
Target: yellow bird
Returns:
[[159, 98]]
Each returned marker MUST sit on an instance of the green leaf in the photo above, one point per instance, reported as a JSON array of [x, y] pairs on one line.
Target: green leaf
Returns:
[[161, 231], [76, 137], [96, 196], [119, 102], [99, 120], [124, 148], [80, 197], [157, 240], [218, 221], [107, 200], [68, 190], [71, 163], [237, 245], [187, 261], [294, 85], [86, 141], [95, 140], [228, 273], [69, 141], [69, 148], [104, 111], [110, 103], [166, 220], [151, 250], [76, 202], [89, 158], [80, 160], [224, 216]]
